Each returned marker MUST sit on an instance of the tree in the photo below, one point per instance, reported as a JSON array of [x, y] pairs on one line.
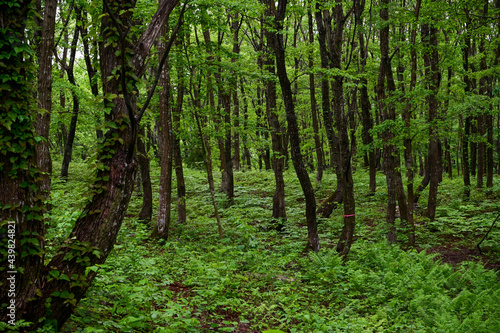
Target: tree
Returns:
[[386, 90], [49, 293], [293, 129], [68, 148], [276, 128], [166, 147], [433, 79], [44, 52]]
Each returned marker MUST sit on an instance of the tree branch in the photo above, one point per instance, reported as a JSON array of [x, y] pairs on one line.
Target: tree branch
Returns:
[[162, 62]]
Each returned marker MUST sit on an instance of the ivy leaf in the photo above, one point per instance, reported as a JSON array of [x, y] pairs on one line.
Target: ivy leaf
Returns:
[[55, 273]]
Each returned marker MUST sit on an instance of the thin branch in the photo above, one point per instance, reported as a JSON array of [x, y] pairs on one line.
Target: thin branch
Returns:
[[486, 235], [162, 62], [65, 25]]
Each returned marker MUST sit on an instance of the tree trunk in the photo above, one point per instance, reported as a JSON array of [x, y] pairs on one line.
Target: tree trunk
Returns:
[[235, 28], [390, 152], [467, 126], [321, 16], [407, 141], [91, 71], [162, 226], [38, 288], [207, 159], [293, 128], [21, 213], [314, 110], [68, 149], [44, 161], [246, 151], [334, 36], [277, 135], [433, 77], [179, 171], [144, 166]]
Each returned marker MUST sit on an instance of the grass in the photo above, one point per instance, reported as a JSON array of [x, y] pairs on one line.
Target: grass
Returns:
[[256, 279]]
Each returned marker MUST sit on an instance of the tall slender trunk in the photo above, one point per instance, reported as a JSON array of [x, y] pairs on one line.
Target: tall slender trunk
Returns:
[[407, 141], [68, 148], [467, 126], [46, 46], [293, 128], [483, 117], [314, 110], [433, 76], [162, 226], [144, 166], [235, 28], [176, 126], [277, 134], [246, 151], [366, 116], [91, 71], [207, 159], [338, 195], [334, 36], [385, 92]]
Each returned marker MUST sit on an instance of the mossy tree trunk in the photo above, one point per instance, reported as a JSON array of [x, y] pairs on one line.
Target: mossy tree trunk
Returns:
[[47, 295]]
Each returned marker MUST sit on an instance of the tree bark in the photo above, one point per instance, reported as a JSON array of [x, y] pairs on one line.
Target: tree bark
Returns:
[[21, 212], [433, 77], [68, 149], [314, 110], [44, 161], [235, 28], [392, 162], [179, 171], [321, 16], [162, 226], [38, 287], [366, 116], [467, 126], [91, 71], [144, 166], [293, 128], [277, 132]]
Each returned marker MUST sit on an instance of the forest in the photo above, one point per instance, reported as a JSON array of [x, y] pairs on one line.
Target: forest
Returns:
[[257, 166]]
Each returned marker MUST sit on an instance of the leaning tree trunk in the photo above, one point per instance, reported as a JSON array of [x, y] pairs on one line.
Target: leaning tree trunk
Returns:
[[48, 295], [293, 128]]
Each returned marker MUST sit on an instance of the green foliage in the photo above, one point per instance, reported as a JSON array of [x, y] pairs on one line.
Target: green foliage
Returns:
[[258, 279]]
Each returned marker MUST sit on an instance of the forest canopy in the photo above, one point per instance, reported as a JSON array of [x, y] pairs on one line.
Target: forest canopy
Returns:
[[292, 130]]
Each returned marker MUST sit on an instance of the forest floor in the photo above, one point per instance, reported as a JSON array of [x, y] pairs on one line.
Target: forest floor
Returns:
[[256, 279]]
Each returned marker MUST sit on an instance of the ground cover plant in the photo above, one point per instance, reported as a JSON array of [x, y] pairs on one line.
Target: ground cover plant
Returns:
[[256, 279]]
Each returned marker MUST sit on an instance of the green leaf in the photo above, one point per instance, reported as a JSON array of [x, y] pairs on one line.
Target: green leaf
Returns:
[[55, 273]]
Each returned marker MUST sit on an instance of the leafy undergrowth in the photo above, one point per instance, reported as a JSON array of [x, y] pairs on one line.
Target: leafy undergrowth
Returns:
[[256, 279]]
